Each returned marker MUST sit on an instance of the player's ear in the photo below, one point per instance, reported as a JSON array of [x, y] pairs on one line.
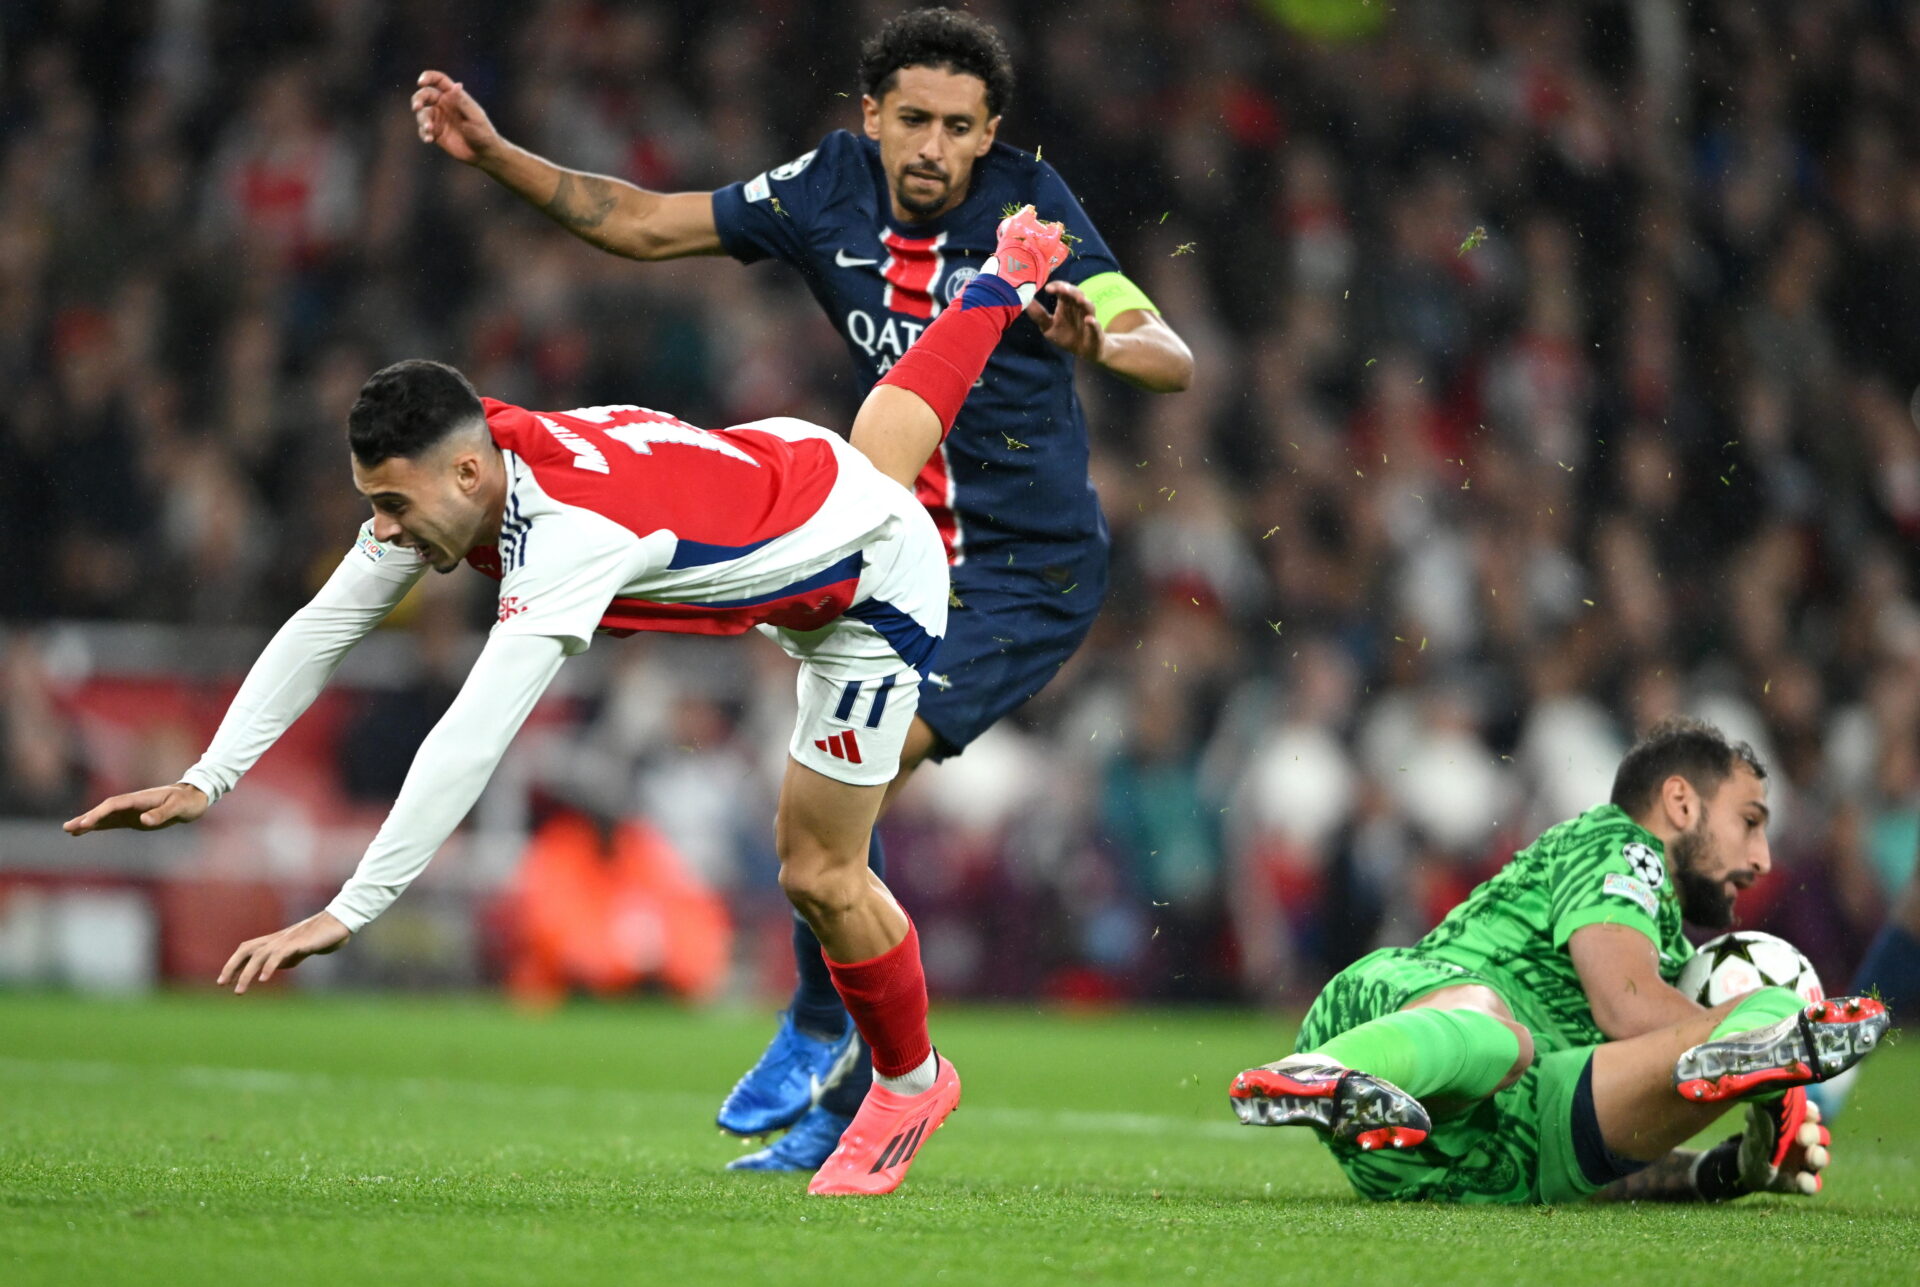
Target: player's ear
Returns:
[[987, 135], [1681, 802], [870, 115], [466, 472]]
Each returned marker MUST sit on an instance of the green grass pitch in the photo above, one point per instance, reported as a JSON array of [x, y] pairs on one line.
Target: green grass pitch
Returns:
[[287, 1140]]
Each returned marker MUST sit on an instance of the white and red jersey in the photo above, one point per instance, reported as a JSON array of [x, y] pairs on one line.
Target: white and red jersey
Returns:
[[620, 518], [626, 519], [623, 519]]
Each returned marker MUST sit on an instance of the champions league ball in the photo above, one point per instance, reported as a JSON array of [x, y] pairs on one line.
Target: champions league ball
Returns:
[[1739, 962]]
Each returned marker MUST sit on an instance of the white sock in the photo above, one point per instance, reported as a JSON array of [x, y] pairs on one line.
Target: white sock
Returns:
[[917, 1082]]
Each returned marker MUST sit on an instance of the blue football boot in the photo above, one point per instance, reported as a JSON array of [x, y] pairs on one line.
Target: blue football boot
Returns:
[[803, 1148], [790, 1078]]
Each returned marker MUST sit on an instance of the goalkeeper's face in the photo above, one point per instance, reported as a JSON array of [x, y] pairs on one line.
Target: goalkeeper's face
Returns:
[[1724, 851], [932, 125]]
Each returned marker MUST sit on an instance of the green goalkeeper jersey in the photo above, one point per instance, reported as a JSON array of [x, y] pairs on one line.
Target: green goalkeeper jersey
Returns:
[[1601, 868]]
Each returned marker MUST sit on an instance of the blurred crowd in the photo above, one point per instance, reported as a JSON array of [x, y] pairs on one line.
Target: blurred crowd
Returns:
[[1554, 374]]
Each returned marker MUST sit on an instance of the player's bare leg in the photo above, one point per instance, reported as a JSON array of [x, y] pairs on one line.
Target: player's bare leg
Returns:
[[874, 956], [902, 421], [1636, 1096], [815, 1073], [821, 836]]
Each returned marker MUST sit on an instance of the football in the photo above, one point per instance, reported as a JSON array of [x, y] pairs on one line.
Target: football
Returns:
[[1744, 960]]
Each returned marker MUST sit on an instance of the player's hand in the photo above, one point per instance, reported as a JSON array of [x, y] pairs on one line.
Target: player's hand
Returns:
[[1769, 1164], [446, 114], [1072, 324], [255, 960], [149, 810]]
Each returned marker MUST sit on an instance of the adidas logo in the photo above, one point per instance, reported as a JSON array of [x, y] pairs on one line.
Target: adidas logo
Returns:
[[901, 1148], [840, 746]]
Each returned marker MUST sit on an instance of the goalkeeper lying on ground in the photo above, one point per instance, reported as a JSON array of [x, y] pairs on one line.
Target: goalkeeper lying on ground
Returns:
[[1532, 1047]]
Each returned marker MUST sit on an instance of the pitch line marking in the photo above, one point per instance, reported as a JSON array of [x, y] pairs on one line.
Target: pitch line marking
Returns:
[[275, 1081]]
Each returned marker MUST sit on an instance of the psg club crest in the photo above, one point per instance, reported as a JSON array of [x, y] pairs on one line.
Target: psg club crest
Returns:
[[1646, 864], [957, 281]]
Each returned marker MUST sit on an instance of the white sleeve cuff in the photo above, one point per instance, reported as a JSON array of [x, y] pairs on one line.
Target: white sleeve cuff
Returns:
[[353, 920], [210, 786]]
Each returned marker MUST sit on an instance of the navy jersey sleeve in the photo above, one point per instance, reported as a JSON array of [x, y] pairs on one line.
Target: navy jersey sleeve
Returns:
[[769, 215], [1053, 200]]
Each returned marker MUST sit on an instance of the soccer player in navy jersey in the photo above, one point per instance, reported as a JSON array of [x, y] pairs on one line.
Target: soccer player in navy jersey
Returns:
[[621, 518], [887, 225]]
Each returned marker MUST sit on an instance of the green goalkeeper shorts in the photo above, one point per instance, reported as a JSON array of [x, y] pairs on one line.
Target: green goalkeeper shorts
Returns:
[[1535, 1141]]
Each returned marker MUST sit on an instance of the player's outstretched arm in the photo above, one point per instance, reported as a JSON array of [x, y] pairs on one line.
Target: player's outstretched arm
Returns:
[[447, 775], [148, 810], [450, 769], [609, 213], [284, 680], [1136, 345]]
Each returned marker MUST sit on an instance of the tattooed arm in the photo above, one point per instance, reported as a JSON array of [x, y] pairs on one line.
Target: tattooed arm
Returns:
[[609, 213]]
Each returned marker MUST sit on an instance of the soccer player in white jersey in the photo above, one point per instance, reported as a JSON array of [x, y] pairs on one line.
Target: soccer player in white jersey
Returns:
[[621, 518]]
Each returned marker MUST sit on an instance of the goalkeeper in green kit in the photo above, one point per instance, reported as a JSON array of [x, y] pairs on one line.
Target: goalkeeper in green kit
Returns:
[[1532, 1048]]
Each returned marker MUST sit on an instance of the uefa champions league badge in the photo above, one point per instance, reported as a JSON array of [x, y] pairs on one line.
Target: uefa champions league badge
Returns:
[[1646, 864]]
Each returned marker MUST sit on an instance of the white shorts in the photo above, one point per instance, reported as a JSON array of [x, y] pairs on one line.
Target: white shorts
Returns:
[[859, 684]]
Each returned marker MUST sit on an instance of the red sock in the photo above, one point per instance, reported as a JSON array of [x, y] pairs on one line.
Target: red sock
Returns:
[[949, 356], [887, 997]]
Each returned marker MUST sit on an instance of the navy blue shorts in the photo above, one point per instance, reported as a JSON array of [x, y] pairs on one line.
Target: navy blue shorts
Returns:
[[1012, 630]]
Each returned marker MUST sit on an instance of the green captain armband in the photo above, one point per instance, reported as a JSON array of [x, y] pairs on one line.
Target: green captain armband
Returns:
[[1111, 294]]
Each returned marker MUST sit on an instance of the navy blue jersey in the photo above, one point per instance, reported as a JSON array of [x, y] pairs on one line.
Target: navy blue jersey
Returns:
[[1014, 470]]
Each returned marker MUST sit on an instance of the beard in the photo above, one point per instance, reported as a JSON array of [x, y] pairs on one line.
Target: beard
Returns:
[[922, 207], [1704, 901]]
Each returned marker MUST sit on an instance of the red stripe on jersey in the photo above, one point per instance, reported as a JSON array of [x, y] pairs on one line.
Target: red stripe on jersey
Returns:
[[809, 610], [934, 490], [834, 749], [853, 747], [912, 267], [485, 559], [647, 470]]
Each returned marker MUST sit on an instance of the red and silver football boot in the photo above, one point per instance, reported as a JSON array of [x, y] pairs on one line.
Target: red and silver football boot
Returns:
[[1821, 1041], [1347, 1105]]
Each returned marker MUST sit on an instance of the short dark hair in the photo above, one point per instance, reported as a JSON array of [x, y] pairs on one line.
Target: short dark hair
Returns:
[[407, 408], [948, 38], [1692, 748]]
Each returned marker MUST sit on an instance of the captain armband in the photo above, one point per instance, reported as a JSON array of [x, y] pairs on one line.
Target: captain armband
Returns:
[[1111, 294]]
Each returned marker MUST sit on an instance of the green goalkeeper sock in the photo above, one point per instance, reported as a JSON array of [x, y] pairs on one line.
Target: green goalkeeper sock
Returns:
[[1431, 1052], [1768, 1005]]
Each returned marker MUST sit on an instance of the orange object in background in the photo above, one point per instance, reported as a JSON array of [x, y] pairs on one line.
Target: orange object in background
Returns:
[[607, 910]]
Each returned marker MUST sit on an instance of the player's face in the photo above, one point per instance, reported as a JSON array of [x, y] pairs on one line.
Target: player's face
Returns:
[[1724, 851], [430, 505], [931, 126]]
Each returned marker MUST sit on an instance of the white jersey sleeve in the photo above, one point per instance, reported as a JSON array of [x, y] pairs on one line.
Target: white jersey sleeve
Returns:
[[450, 769], [561, 566], [303, 655]]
